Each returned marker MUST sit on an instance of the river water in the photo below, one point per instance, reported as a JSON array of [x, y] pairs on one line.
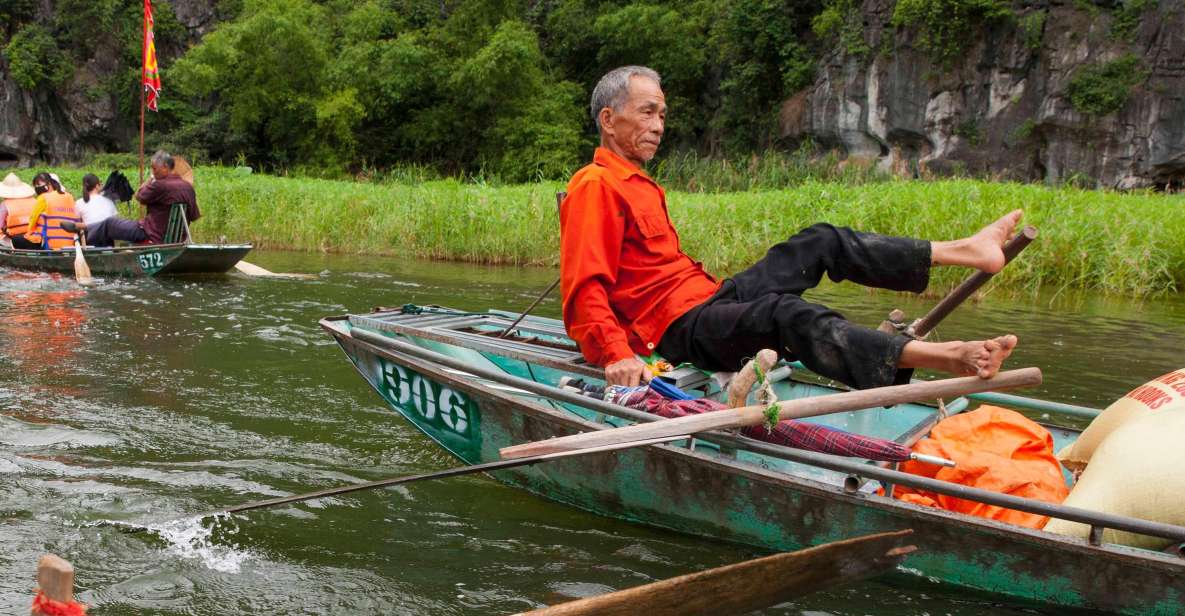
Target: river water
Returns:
[[145, 400]]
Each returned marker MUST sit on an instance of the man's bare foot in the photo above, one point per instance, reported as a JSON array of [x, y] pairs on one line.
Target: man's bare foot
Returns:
[[982, 358], [983, 251]]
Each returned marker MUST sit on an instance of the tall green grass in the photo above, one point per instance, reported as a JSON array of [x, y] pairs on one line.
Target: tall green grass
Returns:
[[1130, 244]]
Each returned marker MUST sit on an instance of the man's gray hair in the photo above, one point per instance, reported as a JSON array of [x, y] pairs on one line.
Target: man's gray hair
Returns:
[[163, 159], [614, 87]]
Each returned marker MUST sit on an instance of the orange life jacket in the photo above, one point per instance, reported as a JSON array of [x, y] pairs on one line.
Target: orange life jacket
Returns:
[[47, 229], [17, 222]]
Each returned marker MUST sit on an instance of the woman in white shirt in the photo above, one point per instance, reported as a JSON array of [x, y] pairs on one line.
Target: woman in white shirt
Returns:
[[93, 207]]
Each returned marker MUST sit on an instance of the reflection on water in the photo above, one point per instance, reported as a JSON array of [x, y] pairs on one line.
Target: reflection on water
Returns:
[[143, 401]]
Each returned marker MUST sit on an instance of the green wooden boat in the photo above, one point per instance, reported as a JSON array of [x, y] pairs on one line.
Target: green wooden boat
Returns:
[[473, 393], [132, 261]]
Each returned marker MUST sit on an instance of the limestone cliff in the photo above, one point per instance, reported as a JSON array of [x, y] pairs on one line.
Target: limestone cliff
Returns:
[[1003, 108], [76, 119]]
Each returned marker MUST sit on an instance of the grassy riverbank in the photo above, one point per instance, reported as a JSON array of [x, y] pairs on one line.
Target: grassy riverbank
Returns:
[[1116, 243]]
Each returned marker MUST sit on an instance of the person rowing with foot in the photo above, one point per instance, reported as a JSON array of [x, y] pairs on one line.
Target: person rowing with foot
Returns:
[[629, 290]]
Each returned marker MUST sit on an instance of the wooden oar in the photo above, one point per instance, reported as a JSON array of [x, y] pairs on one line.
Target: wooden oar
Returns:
[[82, 271], [969, 286], [251, 269], [384, 483], [751, 585], [789, 409]]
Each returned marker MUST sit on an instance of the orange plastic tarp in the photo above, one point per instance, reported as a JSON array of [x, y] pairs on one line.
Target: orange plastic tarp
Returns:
[[995, 449]]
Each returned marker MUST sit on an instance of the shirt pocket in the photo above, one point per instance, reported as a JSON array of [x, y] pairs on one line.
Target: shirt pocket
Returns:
[[652, 225]]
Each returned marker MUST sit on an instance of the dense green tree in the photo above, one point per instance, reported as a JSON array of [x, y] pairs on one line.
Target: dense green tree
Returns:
[[34, 60]]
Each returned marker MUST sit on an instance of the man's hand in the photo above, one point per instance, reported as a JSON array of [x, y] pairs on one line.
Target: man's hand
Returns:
[[629, 372]]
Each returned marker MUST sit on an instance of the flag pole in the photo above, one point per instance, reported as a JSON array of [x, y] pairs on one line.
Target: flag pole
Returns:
[[143, 69]]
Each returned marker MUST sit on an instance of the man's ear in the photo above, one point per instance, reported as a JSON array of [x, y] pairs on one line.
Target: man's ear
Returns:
[[606, 118]]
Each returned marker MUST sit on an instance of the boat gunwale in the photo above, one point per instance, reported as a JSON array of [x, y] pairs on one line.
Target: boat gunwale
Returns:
[[816, 488]]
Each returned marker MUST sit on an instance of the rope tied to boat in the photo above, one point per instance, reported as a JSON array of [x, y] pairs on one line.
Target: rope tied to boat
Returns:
[[48, 607], [765, 395]]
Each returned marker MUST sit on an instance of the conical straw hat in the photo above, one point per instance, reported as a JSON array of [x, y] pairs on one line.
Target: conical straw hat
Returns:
[[182, 168], [13, 188]]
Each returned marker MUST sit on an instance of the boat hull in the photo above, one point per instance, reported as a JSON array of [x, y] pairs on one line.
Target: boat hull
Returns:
[[132, 261], [702, 493]]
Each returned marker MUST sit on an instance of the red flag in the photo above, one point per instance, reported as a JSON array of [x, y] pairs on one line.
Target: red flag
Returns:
[[151, 72]]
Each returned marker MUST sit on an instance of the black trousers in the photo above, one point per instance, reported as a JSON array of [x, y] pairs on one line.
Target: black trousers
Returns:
[[762, 308], [19, 242], [104, 233]]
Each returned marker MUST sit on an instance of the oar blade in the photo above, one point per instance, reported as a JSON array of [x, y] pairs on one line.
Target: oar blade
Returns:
[[251, 269], [82, 271], [790, 409], [751, 585]]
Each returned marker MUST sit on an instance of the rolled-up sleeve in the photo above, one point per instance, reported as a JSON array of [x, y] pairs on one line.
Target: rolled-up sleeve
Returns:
[[592, 228]]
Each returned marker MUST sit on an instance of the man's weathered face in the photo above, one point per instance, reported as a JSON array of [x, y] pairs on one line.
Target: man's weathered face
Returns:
[[159, 171], [635, 131]]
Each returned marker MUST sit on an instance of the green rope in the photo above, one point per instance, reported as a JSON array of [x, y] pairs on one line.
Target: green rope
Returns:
[[771, 417], [771, 411]]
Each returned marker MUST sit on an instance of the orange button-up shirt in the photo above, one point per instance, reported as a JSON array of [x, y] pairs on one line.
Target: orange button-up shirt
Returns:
[[622, 274]]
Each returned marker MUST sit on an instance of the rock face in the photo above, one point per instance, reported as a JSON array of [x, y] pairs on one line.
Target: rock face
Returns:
[[1003, 108], [42, 127]]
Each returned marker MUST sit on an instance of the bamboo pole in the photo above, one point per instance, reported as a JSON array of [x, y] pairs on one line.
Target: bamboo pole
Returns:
[[789, 409]]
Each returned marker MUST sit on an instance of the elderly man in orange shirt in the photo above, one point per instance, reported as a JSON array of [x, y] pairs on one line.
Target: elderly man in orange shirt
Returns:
[[629, 290]]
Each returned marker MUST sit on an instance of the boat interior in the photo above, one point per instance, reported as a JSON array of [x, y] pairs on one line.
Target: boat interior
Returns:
[[537, 348]]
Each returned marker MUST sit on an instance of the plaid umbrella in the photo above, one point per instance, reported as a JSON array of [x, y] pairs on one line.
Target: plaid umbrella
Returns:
[[790, 433]]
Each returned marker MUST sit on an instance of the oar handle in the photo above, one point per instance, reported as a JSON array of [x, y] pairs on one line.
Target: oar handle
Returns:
[[898, 394], [972, 284]]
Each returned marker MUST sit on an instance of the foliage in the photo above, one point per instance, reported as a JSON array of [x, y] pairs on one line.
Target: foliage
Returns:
[[1025, 130], [768, 170], [970, 131], [945, 26], [841, 20], [1101, 89], [15, 12], [1127, 19], [1032, 29], [34, 59], [766, 46]]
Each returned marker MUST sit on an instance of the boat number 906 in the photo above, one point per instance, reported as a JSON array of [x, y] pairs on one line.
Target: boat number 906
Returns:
[[441, 406], [150, 260]]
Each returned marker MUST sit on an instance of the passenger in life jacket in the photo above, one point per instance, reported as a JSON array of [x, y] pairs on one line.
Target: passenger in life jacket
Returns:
[[17, 200], [54, 206]]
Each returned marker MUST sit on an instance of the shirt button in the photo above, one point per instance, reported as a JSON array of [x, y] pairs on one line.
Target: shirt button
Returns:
[[650, 345]]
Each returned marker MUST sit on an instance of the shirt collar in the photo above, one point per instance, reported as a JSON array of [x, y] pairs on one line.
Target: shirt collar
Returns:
[[621, 168]]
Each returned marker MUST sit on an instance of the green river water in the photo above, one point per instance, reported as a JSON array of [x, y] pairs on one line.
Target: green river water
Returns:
[[143, 400]]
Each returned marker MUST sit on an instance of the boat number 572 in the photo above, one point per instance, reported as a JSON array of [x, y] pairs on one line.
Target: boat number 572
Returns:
[[150, 260]]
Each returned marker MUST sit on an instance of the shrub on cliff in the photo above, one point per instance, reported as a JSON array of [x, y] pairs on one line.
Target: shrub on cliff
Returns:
[[35, 60], [945, 27], [1100, 89]]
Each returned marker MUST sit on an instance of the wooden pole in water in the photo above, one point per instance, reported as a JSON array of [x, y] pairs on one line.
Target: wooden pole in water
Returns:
[[55, 582], [751, 585]]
